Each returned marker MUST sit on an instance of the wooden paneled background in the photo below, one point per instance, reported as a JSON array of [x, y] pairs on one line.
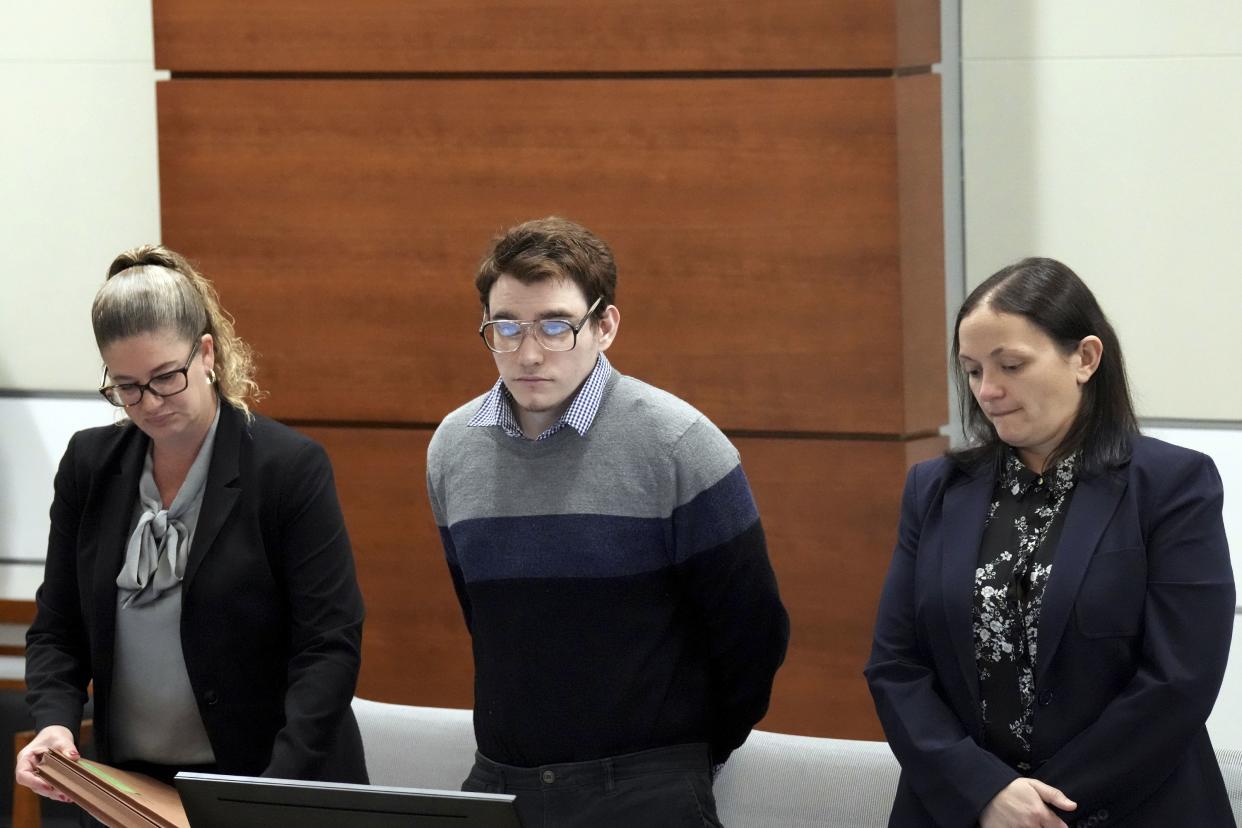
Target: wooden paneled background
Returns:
[[768, 174]]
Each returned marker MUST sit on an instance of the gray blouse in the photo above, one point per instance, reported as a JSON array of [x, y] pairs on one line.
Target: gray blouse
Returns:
[[154, 716]]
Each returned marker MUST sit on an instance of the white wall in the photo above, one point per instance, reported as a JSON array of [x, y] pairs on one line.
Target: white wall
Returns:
[[33, 434], [78, 176], [78, 183], [1107, 134]]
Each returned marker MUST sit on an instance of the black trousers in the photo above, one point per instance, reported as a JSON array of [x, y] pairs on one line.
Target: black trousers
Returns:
[[669, 786]]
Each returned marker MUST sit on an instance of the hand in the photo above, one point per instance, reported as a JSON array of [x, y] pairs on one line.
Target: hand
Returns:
[[1023, 803], [52, 737]]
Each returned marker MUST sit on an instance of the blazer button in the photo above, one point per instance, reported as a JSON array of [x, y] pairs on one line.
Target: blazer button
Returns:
[[1102, 814], [211, 697], [1045, 698]]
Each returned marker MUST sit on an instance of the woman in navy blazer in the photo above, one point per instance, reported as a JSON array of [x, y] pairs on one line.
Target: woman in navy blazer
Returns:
[[270, 615], [1128, 646]]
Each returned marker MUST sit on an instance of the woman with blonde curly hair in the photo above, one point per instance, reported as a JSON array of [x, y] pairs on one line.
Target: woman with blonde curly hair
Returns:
[[198, 568]]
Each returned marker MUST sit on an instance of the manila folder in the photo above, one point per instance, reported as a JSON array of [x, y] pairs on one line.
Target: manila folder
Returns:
[[117, 798]]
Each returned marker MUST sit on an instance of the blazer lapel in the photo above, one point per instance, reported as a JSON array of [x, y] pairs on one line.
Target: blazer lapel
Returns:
[[221, 491], [1091, 508], [965, 512], [115, 503]]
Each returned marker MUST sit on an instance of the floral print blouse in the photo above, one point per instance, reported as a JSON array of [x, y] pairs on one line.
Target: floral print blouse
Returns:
[[1015, 561]]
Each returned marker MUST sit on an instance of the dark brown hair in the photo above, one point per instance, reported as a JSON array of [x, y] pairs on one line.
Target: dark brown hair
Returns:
[[551, 248], [1055, 300]]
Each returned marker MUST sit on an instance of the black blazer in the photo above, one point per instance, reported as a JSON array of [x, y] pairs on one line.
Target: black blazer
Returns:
[[1133, 639], [271, 615]]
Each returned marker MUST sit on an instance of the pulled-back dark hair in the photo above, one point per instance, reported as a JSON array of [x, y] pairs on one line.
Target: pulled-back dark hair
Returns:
[[1055, 300]]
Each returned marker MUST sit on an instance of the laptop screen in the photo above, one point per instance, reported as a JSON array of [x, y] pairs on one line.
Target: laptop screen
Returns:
[[213, 801]]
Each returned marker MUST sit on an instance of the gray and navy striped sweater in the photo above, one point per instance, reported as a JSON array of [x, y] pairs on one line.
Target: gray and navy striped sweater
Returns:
[[616, 584]]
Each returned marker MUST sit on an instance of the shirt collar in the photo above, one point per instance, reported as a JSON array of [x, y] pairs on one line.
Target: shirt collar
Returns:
[[497, 406], [1018, 479]]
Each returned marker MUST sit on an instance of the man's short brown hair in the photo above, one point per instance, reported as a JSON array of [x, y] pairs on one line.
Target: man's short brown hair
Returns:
[[551, 248]]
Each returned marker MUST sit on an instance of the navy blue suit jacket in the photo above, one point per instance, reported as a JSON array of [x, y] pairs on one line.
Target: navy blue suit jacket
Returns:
[[1133, 640]]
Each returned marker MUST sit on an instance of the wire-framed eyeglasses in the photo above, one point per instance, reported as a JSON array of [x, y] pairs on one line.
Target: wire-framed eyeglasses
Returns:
[[167, 384], [504, 336]]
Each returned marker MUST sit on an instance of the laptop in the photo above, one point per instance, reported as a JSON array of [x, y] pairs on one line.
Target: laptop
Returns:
[[213, 801]]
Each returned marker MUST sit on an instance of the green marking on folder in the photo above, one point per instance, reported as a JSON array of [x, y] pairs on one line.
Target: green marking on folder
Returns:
[[107, 777]]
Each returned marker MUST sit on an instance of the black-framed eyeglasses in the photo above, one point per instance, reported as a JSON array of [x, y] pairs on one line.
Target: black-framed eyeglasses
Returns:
[[167, 384], [504, 336]]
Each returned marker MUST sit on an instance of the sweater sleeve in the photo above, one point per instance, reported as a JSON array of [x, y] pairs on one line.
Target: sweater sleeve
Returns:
[[435, 493], [722, 561]]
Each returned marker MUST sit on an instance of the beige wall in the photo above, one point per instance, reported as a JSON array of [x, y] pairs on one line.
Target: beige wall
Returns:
[[1107, 135], [78, 177]]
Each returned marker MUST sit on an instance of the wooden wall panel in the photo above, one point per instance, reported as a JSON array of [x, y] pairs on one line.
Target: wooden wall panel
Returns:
[[829, 510], [917, 25], [770, 185], [755, 222], [920, 183], [543, 35], [415, 648]]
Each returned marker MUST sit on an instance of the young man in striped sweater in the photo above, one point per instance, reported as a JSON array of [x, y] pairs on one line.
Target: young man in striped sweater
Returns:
[[607, 554]]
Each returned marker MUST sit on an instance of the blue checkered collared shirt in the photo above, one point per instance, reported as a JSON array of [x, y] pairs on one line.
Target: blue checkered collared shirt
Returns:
[[497, 407]]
